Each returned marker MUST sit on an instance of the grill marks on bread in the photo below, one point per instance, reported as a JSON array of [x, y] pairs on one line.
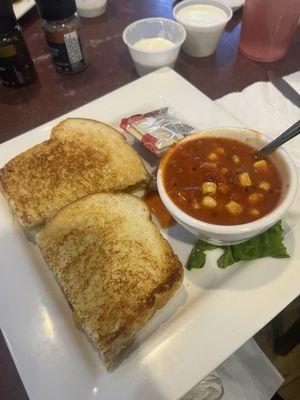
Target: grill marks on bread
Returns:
[[81, 157], [113, 265]]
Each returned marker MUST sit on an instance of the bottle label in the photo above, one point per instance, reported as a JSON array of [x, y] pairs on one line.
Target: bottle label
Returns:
[[73, 47], [8, 51], [66, 52]]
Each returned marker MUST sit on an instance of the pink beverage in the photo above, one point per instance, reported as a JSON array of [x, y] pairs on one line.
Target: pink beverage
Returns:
[[268, 27]]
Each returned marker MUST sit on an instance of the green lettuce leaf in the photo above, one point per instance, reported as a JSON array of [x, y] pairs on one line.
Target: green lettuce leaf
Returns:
[[197, 257], [269, 243]]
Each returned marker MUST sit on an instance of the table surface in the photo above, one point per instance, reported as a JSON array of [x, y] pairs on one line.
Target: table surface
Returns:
[[110, 67]]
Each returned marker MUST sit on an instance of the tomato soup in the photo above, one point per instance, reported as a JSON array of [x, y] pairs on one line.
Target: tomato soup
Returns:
[[221, 181], [157, 207]]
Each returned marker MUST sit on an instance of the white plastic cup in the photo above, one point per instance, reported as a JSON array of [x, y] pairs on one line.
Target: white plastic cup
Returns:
[[91, 8], [201, 41], [145, 60]]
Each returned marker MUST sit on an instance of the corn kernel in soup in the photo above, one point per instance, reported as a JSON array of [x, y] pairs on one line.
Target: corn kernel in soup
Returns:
[[221, 180]]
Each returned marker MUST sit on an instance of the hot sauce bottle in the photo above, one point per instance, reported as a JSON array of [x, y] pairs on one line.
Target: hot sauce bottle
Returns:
[[61, 26], [16, 66]]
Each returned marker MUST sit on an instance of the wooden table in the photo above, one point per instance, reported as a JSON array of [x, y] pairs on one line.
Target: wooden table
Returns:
[[110, 67]]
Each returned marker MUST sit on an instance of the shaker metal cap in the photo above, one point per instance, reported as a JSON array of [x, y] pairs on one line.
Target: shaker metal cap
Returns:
[[55, 10]]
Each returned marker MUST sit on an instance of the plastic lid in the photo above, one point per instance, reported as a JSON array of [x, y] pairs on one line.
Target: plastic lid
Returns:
[[8, 19], [55, 10]]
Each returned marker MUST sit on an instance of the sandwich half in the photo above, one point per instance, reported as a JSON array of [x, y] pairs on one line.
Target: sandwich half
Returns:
[[81, 157], [113, 265]]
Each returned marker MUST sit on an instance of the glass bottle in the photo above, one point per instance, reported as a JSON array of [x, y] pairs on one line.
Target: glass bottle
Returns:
[[16, 66]]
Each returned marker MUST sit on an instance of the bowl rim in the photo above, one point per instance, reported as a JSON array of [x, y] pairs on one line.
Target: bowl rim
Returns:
[[230, 230], [176, 45], [216, 3]]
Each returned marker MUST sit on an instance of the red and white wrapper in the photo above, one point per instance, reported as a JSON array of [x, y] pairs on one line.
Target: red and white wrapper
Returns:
[[157, 130]]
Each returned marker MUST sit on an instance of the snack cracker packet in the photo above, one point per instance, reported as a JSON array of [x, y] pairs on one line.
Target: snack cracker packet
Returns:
[[157, 130]]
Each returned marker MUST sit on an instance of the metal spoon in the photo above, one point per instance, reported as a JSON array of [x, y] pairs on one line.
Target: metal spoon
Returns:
[[291, 132]]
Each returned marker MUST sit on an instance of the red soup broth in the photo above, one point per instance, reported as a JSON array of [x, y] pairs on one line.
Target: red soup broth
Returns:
[[221, 181]]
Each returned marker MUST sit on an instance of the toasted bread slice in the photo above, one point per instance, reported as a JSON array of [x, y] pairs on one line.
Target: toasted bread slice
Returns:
[[82, 157], [113, 265]]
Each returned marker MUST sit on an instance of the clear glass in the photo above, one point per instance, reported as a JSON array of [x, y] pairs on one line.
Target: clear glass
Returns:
[[268, 27]]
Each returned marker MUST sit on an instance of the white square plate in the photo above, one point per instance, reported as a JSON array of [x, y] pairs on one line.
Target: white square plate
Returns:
[[212, 315]]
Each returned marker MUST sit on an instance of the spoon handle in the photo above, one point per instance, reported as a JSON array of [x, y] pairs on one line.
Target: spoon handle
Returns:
[[291, 132]]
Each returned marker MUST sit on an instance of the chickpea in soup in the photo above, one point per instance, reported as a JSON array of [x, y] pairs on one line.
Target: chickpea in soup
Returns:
[[221, 181]]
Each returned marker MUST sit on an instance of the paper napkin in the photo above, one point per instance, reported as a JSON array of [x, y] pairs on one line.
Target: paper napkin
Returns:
[[263, 108]]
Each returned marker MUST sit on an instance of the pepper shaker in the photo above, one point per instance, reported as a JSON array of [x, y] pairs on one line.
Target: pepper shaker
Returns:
[[62, 29]]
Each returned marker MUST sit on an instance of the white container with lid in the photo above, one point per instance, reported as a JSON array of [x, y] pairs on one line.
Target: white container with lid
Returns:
[[204, 22], [91, 8], [148, 41]]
